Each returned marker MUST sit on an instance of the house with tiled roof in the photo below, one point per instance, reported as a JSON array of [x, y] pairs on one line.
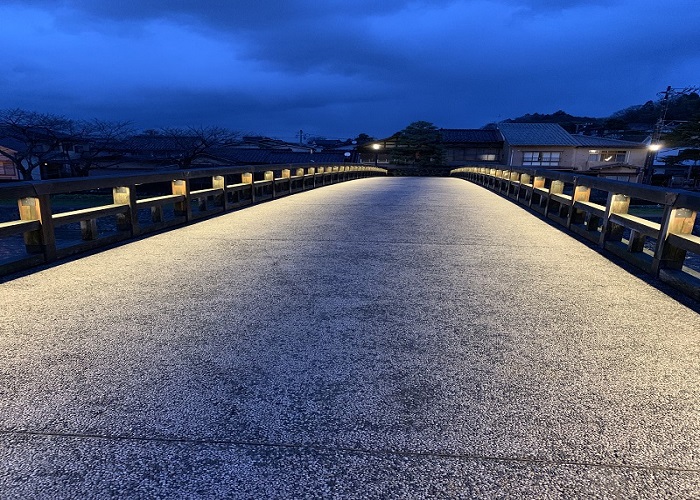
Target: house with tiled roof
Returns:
[[548, 145], [233, 156], [610, 158], [45, 153], [537, 145], [464, 146], [461, 146], [8, 171]]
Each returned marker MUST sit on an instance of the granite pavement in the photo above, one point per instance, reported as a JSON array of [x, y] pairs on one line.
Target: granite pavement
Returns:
[[380, 338]]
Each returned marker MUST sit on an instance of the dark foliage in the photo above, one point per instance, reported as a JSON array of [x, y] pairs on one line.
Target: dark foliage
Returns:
[[419, 144]]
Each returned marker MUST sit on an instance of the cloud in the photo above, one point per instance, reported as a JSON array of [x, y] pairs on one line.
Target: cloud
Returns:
[[343, 65]]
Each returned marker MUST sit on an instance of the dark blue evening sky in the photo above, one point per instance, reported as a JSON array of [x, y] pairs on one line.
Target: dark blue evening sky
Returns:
[[339, 68]]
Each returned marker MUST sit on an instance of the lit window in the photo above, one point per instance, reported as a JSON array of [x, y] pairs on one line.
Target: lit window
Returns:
[[607, 156], [541, 158]]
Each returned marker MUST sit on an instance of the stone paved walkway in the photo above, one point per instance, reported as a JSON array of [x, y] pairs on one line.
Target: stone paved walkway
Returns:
[[381, 338]]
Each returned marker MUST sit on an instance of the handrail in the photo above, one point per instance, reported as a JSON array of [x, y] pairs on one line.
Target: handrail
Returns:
[[192, 194], [597, 210]]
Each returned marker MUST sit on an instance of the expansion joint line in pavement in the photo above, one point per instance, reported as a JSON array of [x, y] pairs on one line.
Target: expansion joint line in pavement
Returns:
[[347, 449], [385, 242]]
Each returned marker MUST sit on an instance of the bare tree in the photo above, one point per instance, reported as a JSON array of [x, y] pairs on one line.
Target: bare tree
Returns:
[[192, 142], [97, 141], [31, 138]]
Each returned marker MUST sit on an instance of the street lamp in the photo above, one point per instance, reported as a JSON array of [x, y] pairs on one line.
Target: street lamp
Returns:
[[376, 148], [648, 170]]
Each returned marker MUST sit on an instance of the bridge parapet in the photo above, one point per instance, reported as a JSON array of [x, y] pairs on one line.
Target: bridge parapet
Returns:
[[653, 228], [124, 207]]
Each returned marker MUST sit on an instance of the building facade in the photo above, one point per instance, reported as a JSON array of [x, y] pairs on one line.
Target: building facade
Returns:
[[547, 145]]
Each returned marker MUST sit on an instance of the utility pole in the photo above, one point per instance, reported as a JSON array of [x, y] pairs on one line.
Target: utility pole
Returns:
[[655, 145], [658, 128]]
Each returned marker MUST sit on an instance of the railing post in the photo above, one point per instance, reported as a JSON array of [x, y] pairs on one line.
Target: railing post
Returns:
[[499, 180], [514, 184], [219, 182], [636, 241], [88, 229], [269, 175], [182, 208], [581, 193], [526, 182], [126, 195], [538, 182], [676, 221], [287, 174], [556, 187], [617, 204], [43, 240], [247, 178], [300, 176]]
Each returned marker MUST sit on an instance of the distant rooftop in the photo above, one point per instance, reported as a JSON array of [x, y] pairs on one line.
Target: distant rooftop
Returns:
[[276, 156], [11, 143], [604, 142], [536, 134], [460, 135]]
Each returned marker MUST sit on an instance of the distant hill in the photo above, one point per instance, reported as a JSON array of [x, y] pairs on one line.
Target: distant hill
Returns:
[[628, 122], [682, 108], [569, 122]]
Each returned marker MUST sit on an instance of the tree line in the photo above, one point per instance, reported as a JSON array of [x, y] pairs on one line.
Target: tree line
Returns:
[[36, 138], [682, 108], [29, 139]]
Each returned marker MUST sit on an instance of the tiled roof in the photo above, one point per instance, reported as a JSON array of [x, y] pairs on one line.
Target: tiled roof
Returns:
[[615, 167], [291, 157], [536, 134], [604, 142], [11, 143], [243, 155], [159, 143], [276, 156], [461, 135], [329, 143]]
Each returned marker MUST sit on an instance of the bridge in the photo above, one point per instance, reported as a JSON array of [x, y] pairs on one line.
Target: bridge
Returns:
[[382, 337]]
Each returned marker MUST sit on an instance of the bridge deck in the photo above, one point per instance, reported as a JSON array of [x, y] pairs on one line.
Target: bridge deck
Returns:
[[387, 337]]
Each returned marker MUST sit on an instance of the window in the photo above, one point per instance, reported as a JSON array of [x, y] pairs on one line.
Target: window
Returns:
[[541, 158], [607, 156], [7, 168], [472, 154]]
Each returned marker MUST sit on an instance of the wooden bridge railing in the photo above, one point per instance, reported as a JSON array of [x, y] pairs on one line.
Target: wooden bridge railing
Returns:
[[598, 210], [139, 204]]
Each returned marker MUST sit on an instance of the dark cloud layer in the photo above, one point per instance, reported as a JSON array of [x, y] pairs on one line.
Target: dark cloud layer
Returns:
[[339, 68]]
